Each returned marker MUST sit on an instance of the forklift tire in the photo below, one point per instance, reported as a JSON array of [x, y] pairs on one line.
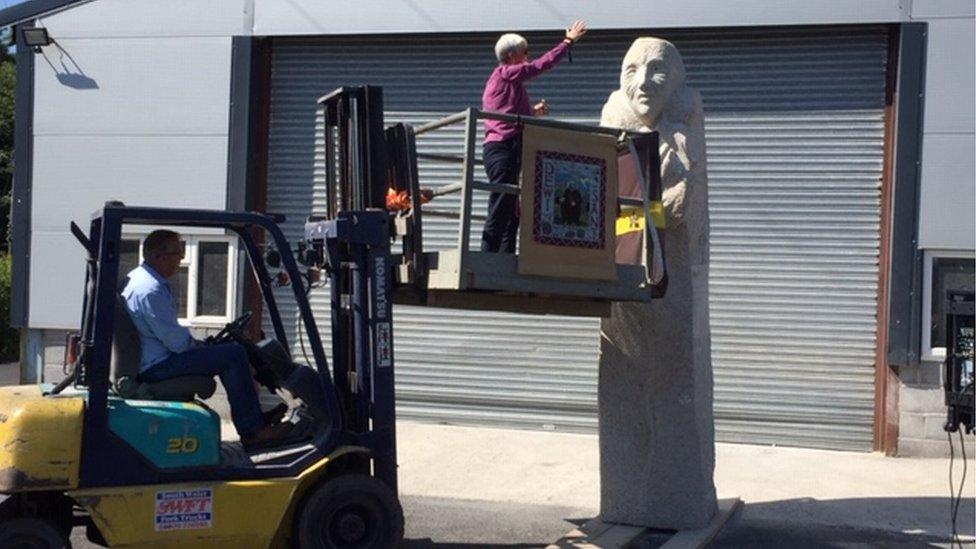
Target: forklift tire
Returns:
[[350, 511], [31, 533]]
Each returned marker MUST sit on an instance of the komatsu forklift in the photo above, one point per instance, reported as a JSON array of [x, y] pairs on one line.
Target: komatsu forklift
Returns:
[[143, 465]]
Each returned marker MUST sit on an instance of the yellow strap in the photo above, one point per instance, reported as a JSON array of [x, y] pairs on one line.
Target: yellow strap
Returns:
[[631, 219]]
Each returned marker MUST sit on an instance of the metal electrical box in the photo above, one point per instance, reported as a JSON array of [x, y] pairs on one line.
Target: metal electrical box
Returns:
[[959, 382]]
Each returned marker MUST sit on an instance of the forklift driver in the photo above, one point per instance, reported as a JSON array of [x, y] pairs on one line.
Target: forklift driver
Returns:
[[169, 350]]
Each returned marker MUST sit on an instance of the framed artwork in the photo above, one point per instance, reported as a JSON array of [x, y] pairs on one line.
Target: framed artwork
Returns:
[[570, 190], [568, 201]]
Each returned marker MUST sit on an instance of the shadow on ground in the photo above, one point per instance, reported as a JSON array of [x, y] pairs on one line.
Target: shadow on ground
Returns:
[[848, 523], [568, 524], [843, 523], [445, 523], [762, 534]]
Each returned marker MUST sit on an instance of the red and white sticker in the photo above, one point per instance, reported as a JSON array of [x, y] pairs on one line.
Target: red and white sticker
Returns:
[[184, 510]]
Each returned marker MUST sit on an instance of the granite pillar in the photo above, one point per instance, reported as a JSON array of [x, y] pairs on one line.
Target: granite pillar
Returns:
[[657, 451]]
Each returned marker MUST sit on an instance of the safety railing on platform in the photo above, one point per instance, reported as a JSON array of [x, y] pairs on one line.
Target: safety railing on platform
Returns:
[[468, 184], [371, 166]]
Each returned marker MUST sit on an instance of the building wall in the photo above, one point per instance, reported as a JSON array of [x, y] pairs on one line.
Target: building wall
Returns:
[[922, 413], [948, 192], [274, 17], [131, 104], [947, 222]]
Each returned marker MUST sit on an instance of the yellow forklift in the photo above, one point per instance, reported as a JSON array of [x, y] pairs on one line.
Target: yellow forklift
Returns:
[[143, 465]]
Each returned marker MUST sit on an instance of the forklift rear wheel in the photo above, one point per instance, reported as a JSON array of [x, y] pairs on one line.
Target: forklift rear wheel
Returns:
[[31, 533], [354, 511]]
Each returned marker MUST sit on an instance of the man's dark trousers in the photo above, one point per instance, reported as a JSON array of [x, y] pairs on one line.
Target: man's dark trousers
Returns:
[[227, 360], [502, 164]]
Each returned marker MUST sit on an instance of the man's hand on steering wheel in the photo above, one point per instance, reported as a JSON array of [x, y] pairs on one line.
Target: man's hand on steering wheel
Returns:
[[227, 333]]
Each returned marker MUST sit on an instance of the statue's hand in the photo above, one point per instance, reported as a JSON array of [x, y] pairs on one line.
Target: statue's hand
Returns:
[[674, 203], [674, 166], [674, 173]]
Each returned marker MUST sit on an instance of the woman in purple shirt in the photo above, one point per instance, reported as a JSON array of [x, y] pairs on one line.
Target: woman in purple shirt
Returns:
[[505, 92]]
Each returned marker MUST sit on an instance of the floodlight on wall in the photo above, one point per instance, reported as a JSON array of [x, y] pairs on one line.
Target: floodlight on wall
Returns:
[[36, 37]]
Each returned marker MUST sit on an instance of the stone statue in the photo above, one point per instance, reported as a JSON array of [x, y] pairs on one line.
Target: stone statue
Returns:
[[657, 449]]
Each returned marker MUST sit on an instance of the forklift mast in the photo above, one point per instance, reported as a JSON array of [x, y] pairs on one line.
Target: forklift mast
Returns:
[[354, 131], [352, 244]]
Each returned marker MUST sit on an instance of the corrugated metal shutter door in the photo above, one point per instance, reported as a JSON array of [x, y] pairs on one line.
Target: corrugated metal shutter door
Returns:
[[794, 122]]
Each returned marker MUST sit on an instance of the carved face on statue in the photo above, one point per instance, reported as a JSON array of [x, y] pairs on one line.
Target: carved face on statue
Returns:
[[652, 70]]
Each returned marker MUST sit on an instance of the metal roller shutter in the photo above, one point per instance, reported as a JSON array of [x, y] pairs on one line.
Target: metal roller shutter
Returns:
[[794, 122]]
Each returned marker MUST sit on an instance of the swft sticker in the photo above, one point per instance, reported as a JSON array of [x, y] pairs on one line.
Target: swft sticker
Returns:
[[184, 510]]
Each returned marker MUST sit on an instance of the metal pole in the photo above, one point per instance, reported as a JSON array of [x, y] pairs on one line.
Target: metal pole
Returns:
[[448, 189], [547, 123], [330, 167], [446, 121], [470, 135], [496, 187], [453, 215], [445, 158]]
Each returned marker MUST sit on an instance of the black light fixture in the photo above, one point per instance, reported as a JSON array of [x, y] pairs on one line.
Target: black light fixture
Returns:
[[36, 37]]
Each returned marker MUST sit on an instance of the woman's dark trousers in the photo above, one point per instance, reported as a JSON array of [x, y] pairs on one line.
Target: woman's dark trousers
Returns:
[[502, 164]]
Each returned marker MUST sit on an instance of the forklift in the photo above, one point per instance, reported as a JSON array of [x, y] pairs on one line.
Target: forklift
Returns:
[[143, 465]]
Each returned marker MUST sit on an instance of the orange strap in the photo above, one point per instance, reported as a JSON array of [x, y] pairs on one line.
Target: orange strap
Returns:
[[398, 201]]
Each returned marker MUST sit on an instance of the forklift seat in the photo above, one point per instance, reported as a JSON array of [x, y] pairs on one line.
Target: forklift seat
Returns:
[[127, 357]]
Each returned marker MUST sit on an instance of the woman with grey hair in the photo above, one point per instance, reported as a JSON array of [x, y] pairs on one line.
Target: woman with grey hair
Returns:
[[505, 92]]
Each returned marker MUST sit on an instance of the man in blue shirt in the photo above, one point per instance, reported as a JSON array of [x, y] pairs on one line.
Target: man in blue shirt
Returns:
[[169, 350]]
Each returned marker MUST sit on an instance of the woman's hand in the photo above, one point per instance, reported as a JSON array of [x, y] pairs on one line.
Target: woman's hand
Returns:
[[541, 108], [576, 31]]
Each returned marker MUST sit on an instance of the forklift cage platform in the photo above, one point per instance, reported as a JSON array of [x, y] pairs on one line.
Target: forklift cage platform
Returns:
[[460, 277]]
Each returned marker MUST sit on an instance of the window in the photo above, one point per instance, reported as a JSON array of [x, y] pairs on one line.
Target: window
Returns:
[[206, 284], [212, 263], [942, 271]]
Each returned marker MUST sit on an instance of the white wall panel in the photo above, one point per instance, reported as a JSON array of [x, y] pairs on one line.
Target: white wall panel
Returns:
[[950, 76], [948, 186], [142, 120], [927, 9], [274, 17], [138, 86], [946, 219], [177, 171], [129, 18], [56, 279], [75, 175]]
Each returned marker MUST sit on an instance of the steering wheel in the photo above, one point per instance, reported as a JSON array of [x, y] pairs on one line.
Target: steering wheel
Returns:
[[227, 332]]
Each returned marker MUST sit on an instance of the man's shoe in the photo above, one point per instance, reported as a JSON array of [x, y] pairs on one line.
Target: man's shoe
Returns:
[[266, 436]]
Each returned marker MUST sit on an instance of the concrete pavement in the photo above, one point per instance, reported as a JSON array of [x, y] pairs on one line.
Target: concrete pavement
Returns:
[[792, 488], [474, 487]]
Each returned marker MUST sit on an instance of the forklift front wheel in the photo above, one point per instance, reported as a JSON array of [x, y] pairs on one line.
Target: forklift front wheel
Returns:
[[31, 533], [350, 511]]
